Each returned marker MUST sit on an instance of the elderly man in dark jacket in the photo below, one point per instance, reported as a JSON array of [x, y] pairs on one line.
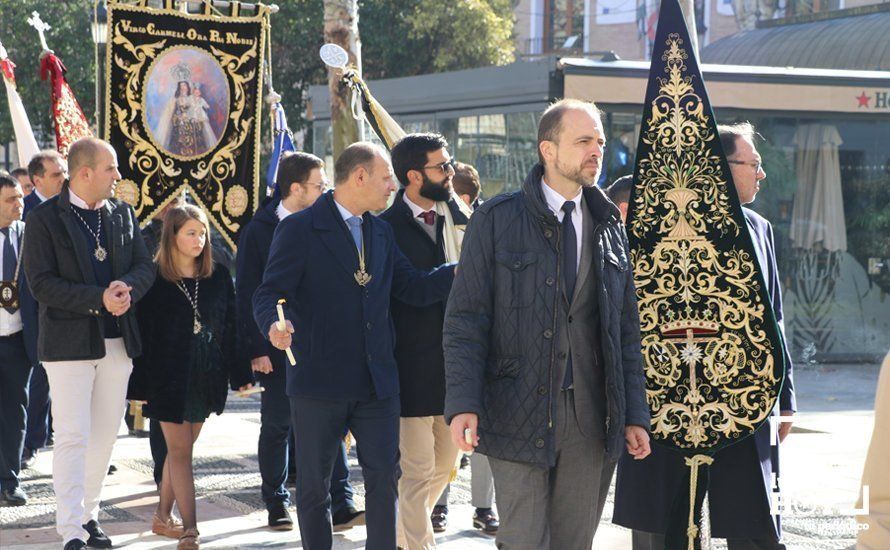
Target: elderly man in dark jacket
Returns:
[[542, 341], [87, 265]]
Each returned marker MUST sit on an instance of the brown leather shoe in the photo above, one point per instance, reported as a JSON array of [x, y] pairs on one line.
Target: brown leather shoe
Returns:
[[172, 528], [189, 540]]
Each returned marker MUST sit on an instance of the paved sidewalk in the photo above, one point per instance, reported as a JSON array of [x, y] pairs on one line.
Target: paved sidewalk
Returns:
[[822, 463]]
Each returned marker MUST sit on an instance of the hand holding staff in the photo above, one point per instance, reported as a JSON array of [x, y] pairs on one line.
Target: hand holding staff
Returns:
[[280, 333]]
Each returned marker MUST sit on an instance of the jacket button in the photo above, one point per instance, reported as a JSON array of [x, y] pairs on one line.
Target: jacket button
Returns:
[[562, 355], [369, 325], [542, 390], [550, 281], [517, 265], [548, 334], [571, 318], [369, 357], [548, 233], [539, 443]]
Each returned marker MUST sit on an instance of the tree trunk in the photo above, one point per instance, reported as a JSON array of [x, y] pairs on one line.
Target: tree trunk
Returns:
[[341, 28]]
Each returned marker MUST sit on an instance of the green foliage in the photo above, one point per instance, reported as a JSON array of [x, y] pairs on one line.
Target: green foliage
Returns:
[[71, 40], [399, 38]]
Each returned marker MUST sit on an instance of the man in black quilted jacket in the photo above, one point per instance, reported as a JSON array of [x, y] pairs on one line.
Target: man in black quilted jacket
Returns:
[[542, 341]]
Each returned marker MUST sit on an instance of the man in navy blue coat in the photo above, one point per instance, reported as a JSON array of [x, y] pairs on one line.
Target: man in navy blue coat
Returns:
[[300, 180], [741, 485], [338, 266]]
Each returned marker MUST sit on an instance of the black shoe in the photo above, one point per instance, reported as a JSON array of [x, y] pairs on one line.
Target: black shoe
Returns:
[[111, 469], [485, 519], [279, 519], [464, 461], [75, 544], [29, 457], [98, 538], [439, 518], [13, 497], [347, 518], [50, 440]]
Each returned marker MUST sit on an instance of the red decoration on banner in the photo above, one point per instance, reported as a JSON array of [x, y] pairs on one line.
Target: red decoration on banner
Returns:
[[8, 68], [68, 119]]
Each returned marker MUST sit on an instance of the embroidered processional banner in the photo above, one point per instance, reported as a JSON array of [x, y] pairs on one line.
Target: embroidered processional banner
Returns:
[[183, 107], [712, 350]]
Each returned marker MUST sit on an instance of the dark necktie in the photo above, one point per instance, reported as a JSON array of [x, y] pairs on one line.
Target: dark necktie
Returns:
[[570, 271], [429, 218], [9, 260]]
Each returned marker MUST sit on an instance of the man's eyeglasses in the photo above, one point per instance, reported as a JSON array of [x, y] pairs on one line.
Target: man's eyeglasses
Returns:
[[323, 185], [445, 167], [756, 164]]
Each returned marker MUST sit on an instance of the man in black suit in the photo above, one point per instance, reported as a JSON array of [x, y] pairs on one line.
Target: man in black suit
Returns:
[[337, 266], [15, 365], [86, 264], [47, 170], [424, 168], [300, 180]]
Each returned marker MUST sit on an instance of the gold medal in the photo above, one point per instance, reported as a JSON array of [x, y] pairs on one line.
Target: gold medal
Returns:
[[9, 295], [362, 277], [100, 253]]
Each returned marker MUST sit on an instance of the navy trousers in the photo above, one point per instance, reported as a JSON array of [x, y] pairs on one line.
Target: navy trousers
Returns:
[[319, 425], [38, 410], [15, 373], [273, 450]]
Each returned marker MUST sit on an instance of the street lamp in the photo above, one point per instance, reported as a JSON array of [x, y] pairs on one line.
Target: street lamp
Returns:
[[99, 29]]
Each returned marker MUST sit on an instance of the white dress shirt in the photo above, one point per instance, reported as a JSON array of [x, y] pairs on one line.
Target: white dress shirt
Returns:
[[416, 210], [281, 211], [555, 202], [344, 212], [10, 323], [80, 203]]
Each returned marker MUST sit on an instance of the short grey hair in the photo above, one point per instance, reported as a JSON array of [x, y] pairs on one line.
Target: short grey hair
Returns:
[[730, 133], [357, 155]]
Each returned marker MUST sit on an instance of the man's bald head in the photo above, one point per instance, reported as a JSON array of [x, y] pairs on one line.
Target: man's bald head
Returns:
[[84, 153]]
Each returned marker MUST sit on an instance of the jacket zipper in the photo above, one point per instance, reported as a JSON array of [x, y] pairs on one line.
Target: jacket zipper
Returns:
[[553, 328]]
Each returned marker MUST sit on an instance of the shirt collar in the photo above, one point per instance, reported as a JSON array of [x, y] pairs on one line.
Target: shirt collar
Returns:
[[415, 210], [40, 195], [82, 204], [281, 211], [555, 200], [346, 214]]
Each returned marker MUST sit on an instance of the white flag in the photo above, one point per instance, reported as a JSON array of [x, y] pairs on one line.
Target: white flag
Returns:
[[25, 143]]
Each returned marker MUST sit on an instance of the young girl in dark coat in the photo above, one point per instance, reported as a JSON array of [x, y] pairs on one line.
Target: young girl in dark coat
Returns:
[[189, 360]]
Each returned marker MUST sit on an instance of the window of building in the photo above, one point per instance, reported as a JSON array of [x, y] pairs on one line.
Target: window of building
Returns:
[[563, 25]]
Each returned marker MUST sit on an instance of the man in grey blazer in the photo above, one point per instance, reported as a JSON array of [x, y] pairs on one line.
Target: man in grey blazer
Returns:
[[87, 265], [542, 341]]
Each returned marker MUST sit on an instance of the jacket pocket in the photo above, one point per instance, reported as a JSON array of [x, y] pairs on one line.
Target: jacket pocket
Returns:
[[516, 278], [503, 367]]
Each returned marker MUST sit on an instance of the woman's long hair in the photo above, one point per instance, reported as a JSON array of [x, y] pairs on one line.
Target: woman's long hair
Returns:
[[174, 219]]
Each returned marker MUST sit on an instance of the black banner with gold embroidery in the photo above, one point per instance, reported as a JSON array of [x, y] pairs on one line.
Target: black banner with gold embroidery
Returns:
[[183, 108], [711, 347]]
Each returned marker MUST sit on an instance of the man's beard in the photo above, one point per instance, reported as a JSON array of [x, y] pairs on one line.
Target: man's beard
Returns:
[[577, 174], [434, 191]]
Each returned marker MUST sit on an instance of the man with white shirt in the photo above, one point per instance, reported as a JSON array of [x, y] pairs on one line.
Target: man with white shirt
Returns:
[[15, 366], [300, 181], [542, 341], [86, 264], [424, 168], [47, 171]]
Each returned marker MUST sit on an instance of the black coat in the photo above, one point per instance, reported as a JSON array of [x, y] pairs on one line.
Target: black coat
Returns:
[[253, 253], [160, 376], [499, 341], [418, 350], [56, 260]]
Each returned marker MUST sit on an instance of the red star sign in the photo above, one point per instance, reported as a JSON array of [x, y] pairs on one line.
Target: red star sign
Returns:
[[863, 100]]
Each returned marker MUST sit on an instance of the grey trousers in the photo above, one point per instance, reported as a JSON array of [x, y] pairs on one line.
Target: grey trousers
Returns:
[[555, 508], [481, 483], [653, 541]]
